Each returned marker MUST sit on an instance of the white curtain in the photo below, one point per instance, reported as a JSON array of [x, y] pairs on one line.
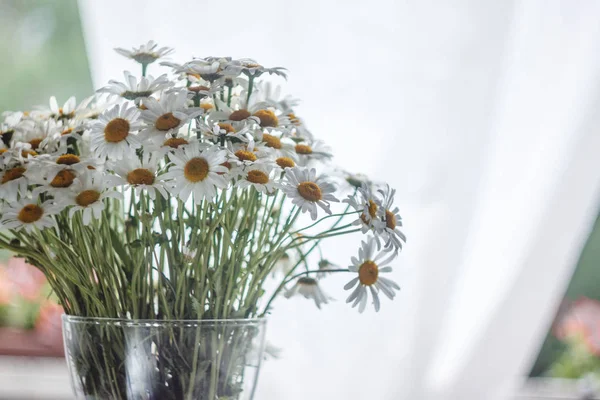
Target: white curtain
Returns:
[[483, 114]]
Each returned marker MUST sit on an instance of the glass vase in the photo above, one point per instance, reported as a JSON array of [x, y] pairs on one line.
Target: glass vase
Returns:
[[163, 360]]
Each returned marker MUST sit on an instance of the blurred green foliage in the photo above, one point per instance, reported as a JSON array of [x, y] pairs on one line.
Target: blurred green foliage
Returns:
[[43, 53], [585, 282]]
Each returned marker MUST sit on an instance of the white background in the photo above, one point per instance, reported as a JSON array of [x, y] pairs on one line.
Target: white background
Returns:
[[480, 113]]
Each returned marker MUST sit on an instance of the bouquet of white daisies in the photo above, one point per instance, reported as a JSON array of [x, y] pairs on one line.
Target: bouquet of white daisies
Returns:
[[179, 196]]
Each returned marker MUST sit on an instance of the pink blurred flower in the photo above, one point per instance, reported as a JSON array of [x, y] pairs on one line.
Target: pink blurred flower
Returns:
[[580, 318], [48, 324], [26, 279]]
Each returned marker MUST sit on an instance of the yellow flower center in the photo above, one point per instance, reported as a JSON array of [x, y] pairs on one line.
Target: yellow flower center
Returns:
[[87, 197], [267, 118], [63, 179], [257, 176], [35, 143], [2, 151], [30, 213], [285, 162], [68, 159], [245, 155], [226, 127], [140, 176], [66, 131], [175, 142], [27, 153], [12, 174], [272, 141], [303, 149], [196, 169], [310, 191], [293, 119], [239, 115], [390, 220], [116, 130], [167, 121], [368, 272], [252, 65], [206, 106], [372, 212], [198, 89]]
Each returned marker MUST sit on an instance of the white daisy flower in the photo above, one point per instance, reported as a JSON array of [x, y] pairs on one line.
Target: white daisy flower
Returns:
[[87, 194], [113, 135], [356, 180], [166, 116], [67, 111], [368, 265], [246, 154], [369, 206], [13, 181], [283, 265], [258, 176], [309, 288], [251, 68], [280, 146], [308, 191], [43, 136], [209, 68], [146, 53], [91, 107], [56, 174], [195, 171], [324, 267], [312, 150], [224, 131], [134, 90], [18, 153], [237, 114], [7, 128], [141, 174], [27, 214], [392, 220]]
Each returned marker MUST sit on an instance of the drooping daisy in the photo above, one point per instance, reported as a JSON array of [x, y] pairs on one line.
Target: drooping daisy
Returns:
[[141, 174], [114, 136], [324, 267], [87, 194], [308, 191], [28, 214], [146, 53], [259, 176], [368, 205], [13, 181], [134, 90], [195, 171], [392, 219], [309, 288], [369, 265], [166, 116]]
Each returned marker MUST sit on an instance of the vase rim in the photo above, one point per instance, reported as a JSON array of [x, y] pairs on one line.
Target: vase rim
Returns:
[[237, 321]]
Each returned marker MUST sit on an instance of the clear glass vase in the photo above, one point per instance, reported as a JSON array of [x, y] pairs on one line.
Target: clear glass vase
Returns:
[[116, 359]]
